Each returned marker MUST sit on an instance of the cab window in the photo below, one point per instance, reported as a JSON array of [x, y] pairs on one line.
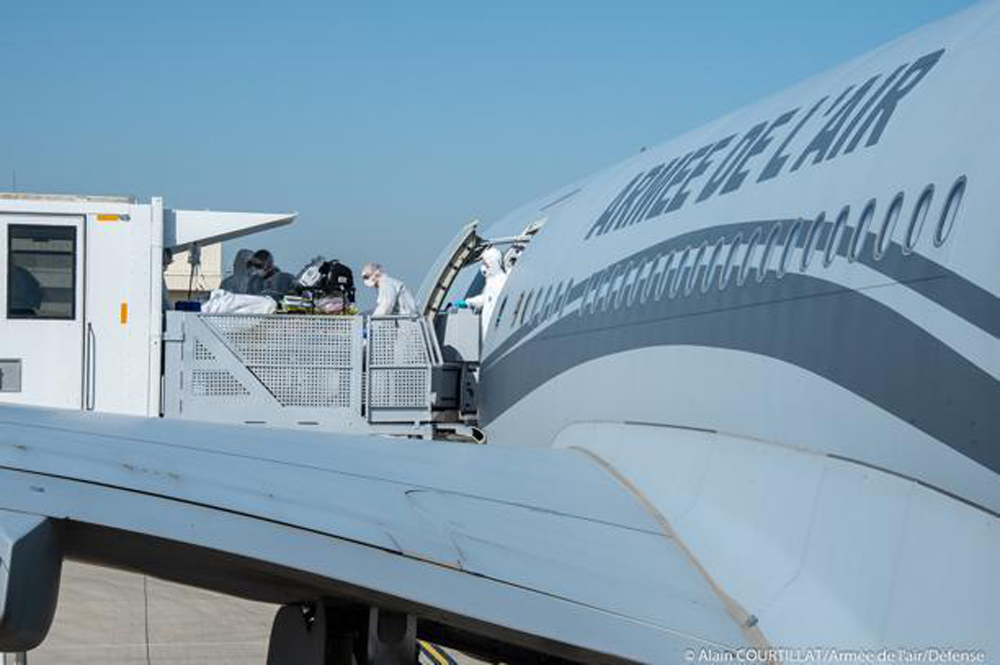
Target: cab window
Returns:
[[41, 274]]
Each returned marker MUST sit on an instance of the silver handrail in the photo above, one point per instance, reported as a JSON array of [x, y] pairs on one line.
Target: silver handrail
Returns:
[[89, 368]]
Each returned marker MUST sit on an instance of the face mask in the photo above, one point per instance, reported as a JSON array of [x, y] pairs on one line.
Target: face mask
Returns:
[[369, 281]]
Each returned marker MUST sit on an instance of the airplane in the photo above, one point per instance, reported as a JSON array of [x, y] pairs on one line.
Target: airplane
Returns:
[[740, 393]]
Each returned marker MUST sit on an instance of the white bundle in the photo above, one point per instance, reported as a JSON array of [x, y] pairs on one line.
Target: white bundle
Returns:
[[224, 302]]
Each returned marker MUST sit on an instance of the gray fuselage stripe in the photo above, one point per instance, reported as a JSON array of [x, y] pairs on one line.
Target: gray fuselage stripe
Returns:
[[933, 281], [834, 332]]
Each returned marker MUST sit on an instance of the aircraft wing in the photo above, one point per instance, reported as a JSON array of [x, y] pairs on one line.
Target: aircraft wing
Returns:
[[534, 547]]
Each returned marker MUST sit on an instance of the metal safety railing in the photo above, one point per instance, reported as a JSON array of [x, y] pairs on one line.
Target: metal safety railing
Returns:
[[401, 352], [339, 373]]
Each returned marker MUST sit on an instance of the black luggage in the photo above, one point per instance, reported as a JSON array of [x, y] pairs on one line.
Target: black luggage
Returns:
[[326, 279], [337, 279]]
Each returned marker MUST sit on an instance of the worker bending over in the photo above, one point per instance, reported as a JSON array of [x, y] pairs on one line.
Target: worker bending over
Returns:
[[393, 296], [272, 281], [491, 266]]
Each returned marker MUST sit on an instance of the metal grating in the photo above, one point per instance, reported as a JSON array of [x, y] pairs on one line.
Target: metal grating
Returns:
[[283, 341], [202, 354], [216, 383], [399, 367], [308, 386], [290, 369], [399, 388], [397, 342], [303, 361]]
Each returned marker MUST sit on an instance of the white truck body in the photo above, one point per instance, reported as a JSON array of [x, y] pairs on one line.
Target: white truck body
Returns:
[[95, 340]]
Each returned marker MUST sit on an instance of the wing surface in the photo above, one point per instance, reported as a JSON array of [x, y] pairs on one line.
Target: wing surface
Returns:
[[536, 546]]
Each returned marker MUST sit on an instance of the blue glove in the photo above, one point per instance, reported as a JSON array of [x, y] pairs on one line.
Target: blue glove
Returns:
[[460, 304]]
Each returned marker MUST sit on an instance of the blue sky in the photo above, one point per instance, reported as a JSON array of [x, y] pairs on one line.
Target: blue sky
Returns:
[[388, 125]]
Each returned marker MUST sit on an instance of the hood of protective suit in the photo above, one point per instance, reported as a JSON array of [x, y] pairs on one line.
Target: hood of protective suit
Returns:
[[492, 262], [241, 272]]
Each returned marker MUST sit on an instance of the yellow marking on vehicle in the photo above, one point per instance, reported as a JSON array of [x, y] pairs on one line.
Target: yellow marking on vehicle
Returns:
[[108, 218], [123, 313]]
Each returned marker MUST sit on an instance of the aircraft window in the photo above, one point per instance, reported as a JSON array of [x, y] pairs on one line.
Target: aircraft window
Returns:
[[593, 286], [649, 280], [628, 284], [585, 296], [791, 240], [833, 240], [950, 211], [614, 287], [537, 307], [643, 269], [628, 281], [681, 271], [531, 316], [565, 297], [664, 274], [696, 268], [544, 305], [888, 226], [603, 286], [765, 257], [812, 240], [861, 232], [41, 272], [517, 310], [590, 293], [601, 281], [748, 255], [730, 260], [500, 309], [917, 219], [551, 302], [528, 302], [615, 295], [713, 264], [553, 307], [637, 283]]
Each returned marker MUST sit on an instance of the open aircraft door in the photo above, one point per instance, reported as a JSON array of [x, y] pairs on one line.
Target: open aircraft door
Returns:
[[41, 301], [462, 250]]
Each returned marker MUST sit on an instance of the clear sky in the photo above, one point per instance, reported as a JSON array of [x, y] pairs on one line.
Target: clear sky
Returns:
[[388, 125]]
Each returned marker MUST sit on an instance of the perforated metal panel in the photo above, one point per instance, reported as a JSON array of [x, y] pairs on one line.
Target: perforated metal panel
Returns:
[[398, 388], [397, 342], [398, 370], [306, 361], [317, 341], [216, 383], [301, 371], [308, 386], [202, 354]]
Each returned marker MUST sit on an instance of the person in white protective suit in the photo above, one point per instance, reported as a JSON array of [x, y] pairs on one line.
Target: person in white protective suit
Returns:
[[393, 296], [241, 281], [491, 266]]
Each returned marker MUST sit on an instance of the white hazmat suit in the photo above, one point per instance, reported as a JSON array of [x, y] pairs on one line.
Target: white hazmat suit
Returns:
[[496, 277], [394, 298]]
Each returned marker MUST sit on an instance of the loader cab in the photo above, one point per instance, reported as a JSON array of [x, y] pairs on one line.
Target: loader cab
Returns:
[[41, 299]]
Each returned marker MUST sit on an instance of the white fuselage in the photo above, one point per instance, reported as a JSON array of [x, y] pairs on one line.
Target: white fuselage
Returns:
[[685, 318]]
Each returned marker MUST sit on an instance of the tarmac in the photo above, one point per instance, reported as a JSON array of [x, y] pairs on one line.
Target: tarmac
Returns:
[[118, 618]]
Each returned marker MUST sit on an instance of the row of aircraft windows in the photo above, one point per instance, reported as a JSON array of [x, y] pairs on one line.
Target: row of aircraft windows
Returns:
[[728, 261]]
